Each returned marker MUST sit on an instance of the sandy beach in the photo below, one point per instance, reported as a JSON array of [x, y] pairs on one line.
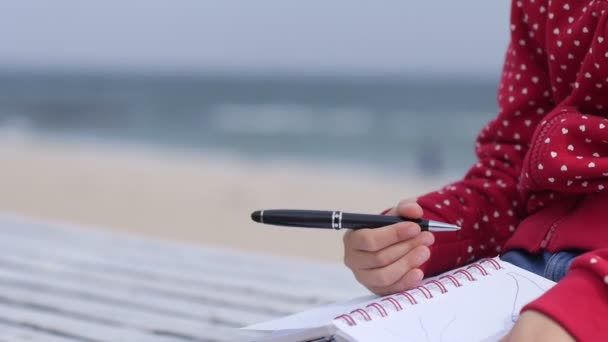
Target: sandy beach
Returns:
[[186, 196]]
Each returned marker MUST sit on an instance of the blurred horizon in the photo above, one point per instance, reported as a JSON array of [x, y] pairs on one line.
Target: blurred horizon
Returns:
[[116, 72], [425, 126]]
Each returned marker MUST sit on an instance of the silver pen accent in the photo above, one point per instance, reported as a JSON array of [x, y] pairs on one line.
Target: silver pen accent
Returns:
[[435, 226], [334, 217]]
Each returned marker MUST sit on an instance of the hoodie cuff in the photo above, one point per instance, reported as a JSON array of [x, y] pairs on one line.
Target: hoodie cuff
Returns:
[[579, 303]]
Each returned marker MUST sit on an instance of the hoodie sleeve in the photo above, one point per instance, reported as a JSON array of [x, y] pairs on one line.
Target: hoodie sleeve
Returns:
[[571, 156], [579, 302], [487, 203]]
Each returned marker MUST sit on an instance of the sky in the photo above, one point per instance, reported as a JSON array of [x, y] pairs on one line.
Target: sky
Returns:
[[342, 36]]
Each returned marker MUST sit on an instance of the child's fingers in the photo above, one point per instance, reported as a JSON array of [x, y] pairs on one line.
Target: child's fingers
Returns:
[[394, 211], [373, 240], [409, 209], [357, 259], [406, 208], [411, 279], [389, 275], [391, 212]]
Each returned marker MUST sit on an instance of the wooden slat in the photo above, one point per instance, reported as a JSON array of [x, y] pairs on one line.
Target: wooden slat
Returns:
[[74, 327], [10, 333], [261, 287], [119, 287], [127, 317], [244, 301], [41, 279], [182, 255], [230, 264]]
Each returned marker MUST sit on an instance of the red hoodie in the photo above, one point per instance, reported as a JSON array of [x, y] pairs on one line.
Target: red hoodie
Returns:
[[541, 182]]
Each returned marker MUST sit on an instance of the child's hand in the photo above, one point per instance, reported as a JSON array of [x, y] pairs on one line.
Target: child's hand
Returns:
[[386, 260], [533, 326]]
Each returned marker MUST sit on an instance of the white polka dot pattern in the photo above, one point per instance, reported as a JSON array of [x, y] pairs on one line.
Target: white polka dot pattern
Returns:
[[548, 142]]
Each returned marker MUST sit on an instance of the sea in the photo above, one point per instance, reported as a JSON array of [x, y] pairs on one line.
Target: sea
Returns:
[[424, 125]]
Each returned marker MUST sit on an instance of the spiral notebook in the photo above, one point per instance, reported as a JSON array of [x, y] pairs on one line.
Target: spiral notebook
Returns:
[[478, 302]]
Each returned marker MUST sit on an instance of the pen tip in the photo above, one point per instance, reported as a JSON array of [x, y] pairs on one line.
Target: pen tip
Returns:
[[256, 216]]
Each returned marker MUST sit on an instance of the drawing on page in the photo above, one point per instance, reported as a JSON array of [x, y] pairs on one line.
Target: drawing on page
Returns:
[[522, 289], [424, 328], [450, 331], [426, 333], [522, 281], [447, 327]]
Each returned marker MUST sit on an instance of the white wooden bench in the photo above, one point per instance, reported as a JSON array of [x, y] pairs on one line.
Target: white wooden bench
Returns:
[[65, 283]]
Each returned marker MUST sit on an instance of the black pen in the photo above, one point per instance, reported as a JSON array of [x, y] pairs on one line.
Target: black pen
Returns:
[[340, 220]]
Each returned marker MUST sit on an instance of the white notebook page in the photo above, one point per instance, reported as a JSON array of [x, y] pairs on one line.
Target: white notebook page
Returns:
[[482, 310]]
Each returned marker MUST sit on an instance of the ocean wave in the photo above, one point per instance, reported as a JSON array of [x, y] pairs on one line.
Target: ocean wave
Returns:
[[280, 119]]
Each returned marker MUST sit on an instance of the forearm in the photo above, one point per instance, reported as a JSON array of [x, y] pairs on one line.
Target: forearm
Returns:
[[579, 302]]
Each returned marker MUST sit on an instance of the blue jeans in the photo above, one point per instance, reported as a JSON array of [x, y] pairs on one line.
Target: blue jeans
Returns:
[[553, 266]]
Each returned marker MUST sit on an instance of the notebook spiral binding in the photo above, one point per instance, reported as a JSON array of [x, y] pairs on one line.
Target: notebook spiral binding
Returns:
[[363, 314]]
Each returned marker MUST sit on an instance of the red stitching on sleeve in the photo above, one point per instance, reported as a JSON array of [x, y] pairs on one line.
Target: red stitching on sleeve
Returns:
[[441, 287], [380, 309], [394, 301], [349, 320], [452, 279], [408, 296], [466, 274], [480, 268], [363, 313]]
